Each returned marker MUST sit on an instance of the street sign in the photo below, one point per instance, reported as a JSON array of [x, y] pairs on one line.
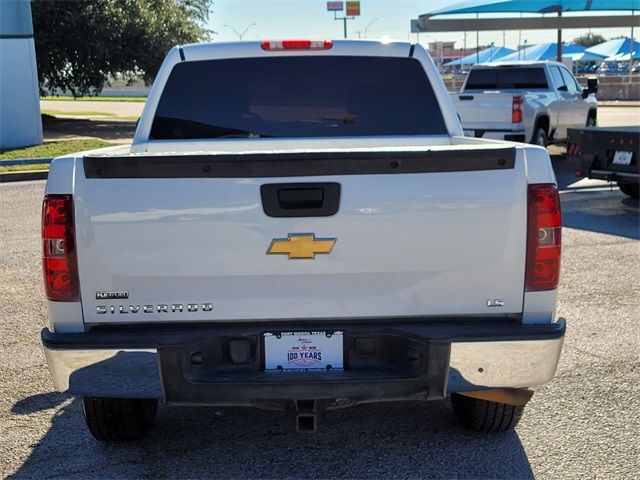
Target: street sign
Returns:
[[353, 9], [335, 6]]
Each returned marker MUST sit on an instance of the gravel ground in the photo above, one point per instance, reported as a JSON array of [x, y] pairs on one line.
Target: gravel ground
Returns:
[[583, 425]]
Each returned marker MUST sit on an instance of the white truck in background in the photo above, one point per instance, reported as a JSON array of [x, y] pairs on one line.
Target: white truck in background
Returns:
[[531, 102], [287, 231]]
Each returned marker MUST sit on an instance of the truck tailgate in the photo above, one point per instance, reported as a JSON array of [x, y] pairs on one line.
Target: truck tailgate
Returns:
[[486, 110], [426, 232]]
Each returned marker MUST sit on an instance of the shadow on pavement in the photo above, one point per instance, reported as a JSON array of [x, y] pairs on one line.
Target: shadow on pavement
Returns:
[[113, 130], [598, 207], [36, 403], [398, 440]]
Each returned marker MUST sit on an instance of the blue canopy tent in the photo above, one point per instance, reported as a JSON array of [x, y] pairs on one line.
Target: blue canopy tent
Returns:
[[615, 47], [491, 54], [542, 51], [535, 6], [532, 6], [624, 57], [584, 56]]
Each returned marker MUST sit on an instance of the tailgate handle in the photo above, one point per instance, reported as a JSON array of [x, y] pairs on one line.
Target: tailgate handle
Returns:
[[292, 198], [466, 97], [300, 199]]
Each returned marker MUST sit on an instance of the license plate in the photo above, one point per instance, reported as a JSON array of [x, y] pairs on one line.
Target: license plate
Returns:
[[303, 351], [469, 133], [622, 158]]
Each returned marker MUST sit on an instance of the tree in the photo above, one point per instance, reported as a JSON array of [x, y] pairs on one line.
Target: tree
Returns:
[[81, 44], [589, 40]]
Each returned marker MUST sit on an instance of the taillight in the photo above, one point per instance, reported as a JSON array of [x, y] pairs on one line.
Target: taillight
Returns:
[[59, 262], [544, 231], [296, 44], [516, 110]]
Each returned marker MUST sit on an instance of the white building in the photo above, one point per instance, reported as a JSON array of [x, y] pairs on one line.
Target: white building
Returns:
[[20, 121]]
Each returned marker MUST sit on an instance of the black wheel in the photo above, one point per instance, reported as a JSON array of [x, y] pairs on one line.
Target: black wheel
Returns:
[[591, 120], [119, 419], [485, 416], [539, 137], [631, 189]]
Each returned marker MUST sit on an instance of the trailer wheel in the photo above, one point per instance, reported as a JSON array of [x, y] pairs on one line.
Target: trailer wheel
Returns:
[[631, 189], [539, 137], [119, 419], [484, 415]]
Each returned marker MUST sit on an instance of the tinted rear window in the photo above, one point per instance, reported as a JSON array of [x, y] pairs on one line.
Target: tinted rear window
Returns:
[[314, 96], [506, 78]]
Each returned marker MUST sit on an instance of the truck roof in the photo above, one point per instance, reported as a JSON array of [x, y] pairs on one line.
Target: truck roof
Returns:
[[245, 48], [516, 63]]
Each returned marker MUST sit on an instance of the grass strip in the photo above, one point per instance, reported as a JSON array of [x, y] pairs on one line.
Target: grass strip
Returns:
[[52, 149], [24, 168]]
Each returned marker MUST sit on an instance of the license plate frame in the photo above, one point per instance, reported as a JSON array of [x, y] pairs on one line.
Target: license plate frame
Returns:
[[622, 157], [303, 351]]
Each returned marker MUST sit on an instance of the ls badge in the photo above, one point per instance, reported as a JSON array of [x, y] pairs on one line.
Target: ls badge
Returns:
[[301, 245]]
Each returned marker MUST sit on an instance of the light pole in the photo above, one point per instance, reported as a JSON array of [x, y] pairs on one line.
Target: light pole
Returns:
[[477, 42], [344, 19], [368, 25], [244, 32]]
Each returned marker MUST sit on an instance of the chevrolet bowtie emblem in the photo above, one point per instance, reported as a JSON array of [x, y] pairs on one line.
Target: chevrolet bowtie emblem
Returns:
[[301, 245]]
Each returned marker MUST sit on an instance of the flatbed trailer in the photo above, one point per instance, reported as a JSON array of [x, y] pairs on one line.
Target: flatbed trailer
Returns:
[[607, 153]]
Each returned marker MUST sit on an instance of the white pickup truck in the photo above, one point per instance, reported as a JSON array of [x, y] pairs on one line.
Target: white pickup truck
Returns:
[[533, 102], [301, 225]]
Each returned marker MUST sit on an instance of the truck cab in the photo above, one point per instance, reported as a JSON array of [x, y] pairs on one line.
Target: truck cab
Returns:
[[528, 101]]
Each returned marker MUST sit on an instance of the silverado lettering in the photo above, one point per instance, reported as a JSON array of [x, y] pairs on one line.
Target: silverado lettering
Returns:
[[176, 307]]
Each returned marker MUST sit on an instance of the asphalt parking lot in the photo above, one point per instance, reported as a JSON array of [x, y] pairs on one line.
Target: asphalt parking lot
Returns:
[[584, 424]]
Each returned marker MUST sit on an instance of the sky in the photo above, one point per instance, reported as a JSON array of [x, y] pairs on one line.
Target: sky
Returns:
[[275, 19]]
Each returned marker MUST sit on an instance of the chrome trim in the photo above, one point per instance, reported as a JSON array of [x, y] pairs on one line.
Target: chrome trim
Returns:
[[135, 372], [111, 373], [503, 364]]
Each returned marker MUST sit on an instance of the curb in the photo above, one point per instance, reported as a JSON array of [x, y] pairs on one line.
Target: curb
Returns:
[[613, 103], [23, 176]]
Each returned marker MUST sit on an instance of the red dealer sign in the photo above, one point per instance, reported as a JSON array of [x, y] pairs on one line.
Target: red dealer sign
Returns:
[[353, 9], [335, 6]]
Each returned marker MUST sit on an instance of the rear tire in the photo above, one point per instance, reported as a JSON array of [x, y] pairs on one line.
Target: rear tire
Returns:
[[119, 419], [591, 120], [631, 189], [539, 137], [485, 416]]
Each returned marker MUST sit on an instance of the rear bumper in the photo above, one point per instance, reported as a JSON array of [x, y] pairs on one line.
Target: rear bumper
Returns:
[[612, 175], [409, 360], [508, 135], [591, 151]]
